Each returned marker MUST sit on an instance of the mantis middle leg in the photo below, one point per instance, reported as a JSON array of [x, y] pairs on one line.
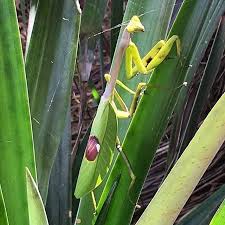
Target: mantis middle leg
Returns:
[[125, 112]]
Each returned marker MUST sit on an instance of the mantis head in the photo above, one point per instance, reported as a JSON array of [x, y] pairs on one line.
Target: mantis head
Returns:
[[135, 25]]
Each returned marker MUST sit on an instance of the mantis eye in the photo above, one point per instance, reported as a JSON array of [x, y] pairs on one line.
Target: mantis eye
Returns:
[[92, 149]]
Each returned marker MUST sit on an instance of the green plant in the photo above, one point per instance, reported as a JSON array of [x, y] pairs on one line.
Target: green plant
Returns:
[[35, 113]]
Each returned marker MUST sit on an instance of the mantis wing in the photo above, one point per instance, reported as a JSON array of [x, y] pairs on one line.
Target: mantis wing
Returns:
[[104, 129]]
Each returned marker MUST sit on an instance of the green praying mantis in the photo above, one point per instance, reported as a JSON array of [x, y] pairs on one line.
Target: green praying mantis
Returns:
[[103, 136]]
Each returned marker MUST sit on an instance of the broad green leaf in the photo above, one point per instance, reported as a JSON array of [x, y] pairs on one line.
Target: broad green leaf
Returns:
[[75, 172], [172, 196], [155, 16], [211, 70], [203, 213], [207, 20], [104, 210], [90, 26], [104, 128], [3, 213], [50, 66], [16, 143], [36, 207], [156, 106], [92, 22], [59, 191], [86, 214]]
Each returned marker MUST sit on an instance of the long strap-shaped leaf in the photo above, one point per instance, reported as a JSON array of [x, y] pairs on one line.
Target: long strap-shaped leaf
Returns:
[[16, 144], [208, 19], [207, 81], [37, 215], [203, 213], [58, 205], [185, 175], [50, 66], [155, 19]]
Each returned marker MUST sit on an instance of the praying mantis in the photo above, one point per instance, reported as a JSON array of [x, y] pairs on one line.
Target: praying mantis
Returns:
[[103, 136]]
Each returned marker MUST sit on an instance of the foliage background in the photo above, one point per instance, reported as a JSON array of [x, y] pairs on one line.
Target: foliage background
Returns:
[[213, 178]]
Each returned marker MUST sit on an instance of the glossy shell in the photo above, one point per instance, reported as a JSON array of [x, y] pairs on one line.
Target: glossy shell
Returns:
[[92, 149]]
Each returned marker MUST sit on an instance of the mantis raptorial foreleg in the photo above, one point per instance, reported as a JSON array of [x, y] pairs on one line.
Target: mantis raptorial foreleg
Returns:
[[130, 170], [152, 59]]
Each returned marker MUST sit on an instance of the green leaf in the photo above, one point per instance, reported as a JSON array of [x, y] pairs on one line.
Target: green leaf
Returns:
[[50, 66], [116, 19], [207, 81], [3, 213], [203, 213], [36, 208], [104, 211], [58, 206], [155, 16], [16, 144], [91, 24], [104, 128], [207, 20], [172, 196], [75, 171]]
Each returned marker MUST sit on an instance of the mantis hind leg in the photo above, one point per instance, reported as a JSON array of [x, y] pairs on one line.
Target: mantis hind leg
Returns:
[[129, 167], [119, 148], [126, 160]]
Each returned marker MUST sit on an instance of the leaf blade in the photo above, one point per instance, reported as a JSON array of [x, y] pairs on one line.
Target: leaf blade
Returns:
[[36, 207], [53, 49], [104, 128], [203, 213], [16, 143]]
